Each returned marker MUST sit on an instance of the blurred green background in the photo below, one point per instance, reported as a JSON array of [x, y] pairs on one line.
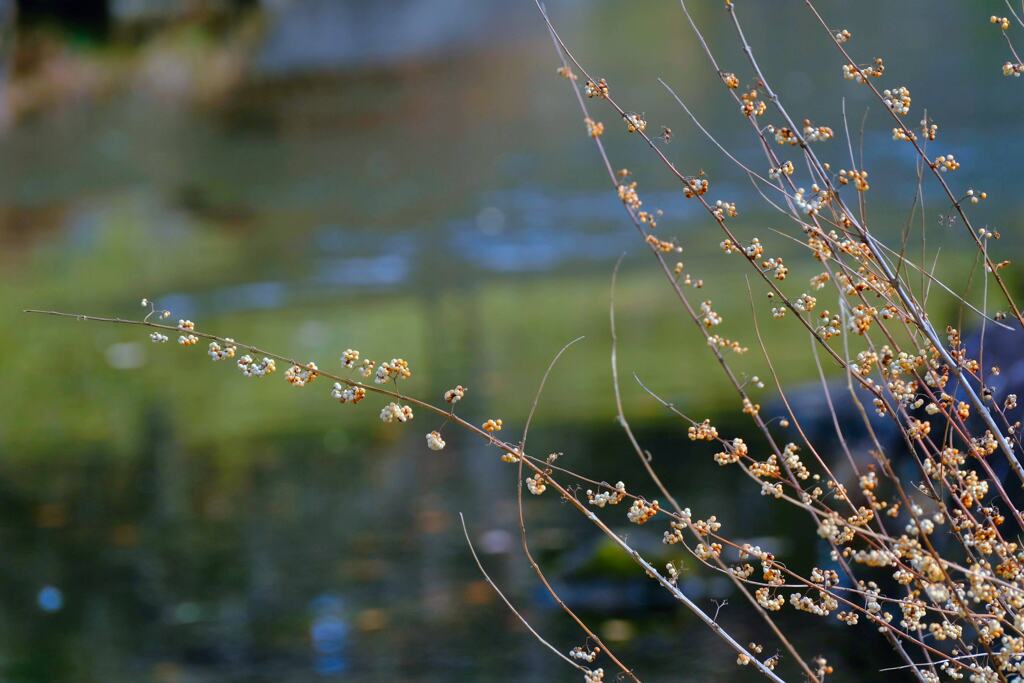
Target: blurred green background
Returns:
[[409, 178]]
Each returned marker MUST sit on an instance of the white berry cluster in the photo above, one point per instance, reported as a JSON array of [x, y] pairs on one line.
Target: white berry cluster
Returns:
[[300, 376], [397, 368], [393, 412], [897, 99], [434, 441], [455, 395], [345, 394], [253, 368], [607, 497], [349, 358], [218, 352]]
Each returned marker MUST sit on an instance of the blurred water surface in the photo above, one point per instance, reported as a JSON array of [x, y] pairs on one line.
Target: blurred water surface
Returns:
[[408, 178]]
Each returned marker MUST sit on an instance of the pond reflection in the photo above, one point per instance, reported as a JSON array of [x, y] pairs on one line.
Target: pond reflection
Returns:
[[421, 188]]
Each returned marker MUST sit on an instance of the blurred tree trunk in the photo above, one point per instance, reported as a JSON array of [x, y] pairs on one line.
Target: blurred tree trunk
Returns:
[[8, 15]]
